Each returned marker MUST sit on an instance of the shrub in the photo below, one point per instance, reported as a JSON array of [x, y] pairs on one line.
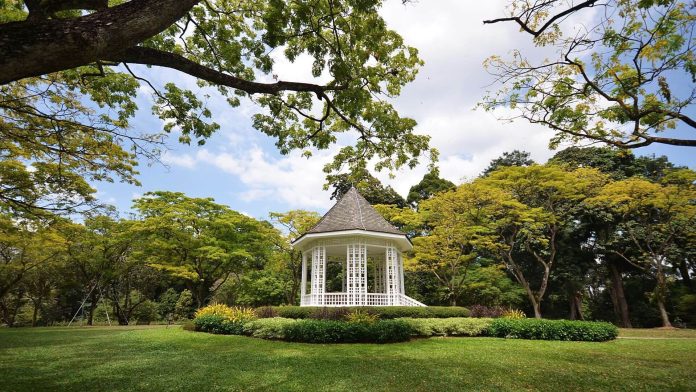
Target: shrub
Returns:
[[268, 328], [553, 330], [266, 312], [384, 312], [361, 316], [188, 325], [454, 326], [183, 309], [217, 324], [325, 313], [293, 312], [145, 313], [328, 331], [486, 311], [514, 314], [235, 314]]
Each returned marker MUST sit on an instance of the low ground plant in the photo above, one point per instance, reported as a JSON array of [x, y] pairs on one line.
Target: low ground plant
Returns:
[[455, 326], [329, 331], [553, 330], [268, 328]]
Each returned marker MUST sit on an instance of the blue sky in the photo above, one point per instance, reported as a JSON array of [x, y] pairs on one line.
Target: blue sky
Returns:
[[241, 168]]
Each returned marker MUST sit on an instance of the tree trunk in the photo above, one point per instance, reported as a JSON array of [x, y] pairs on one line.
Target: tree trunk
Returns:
[[33, 48], [92, 308], [575, 303], [663, 313], [620, 304], [35, 313]]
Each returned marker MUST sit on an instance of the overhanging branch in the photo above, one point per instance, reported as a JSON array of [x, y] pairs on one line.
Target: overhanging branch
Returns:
[[33, 48]]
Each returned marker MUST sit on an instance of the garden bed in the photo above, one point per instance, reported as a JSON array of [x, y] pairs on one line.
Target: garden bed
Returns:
[[361, 326]]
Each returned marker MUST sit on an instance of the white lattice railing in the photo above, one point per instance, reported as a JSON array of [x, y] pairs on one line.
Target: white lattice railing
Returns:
[[358, 299]]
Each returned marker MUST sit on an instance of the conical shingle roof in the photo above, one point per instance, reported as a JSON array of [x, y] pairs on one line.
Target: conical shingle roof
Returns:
[[353, 212]]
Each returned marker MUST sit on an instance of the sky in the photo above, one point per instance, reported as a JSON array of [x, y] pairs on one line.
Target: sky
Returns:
[[240, 167]]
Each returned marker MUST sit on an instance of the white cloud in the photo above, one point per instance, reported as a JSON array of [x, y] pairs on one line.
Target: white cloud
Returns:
[[295, 180], [184, 160]]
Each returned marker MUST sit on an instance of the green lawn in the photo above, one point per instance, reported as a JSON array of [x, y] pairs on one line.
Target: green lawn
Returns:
[[159, 358]]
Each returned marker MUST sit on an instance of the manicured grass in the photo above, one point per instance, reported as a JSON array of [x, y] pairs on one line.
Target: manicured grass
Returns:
[[658, 333], [159, 358]]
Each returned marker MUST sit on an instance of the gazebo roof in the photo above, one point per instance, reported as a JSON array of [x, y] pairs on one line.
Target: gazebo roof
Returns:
[[353, 212]]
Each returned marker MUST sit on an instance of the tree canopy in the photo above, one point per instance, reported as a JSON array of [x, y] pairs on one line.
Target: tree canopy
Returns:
[[71, 74], [624, 75]]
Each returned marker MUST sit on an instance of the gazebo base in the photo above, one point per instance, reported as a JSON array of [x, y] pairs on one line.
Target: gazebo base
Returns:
[[358, 299]]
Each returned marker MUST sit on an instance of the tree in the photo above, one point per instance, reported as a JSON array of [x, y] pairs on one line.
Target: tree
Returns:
[[459, 234], [199, 240], [295, 223], [529, 226], [623, 80], [650, 219], [514, 158], [368, 185], [430, 185], [92, 48], [27, 246], [617, 163]]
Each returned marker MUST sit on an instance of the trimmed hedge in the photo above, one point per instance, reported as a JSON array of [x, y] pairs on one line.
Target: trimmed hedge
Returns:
[[553, 330], [268, 328], [339, 313], [455, 326], [329, 331], [214, 323]]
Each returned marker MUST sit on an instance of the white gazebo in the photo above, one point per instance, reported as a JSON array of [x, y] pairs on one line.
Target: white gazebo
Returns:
[[363, 249]]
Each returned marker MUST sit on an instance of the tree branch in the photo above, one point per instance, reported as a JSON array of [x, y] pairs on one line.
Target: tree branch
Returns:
[[33, 48], [536, 33], [148, 56]]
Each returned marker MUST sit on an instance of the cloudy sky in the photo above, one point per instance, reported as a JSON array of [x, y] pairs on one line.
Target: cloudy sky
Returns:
[[241, 168]]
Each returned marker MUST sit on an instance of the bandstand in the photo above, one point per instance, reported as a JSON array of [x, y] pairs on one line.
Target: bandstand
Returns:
[[363, 250]]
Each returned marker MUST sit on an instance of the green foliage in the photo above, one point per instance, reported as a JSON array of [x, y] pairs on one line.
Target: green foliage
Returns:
[[145, 312], [454, 326], [430, 185], [327, 331], [513, 158], [199, 240], [368, 185], [217, 324], [268, 328], [361, 316], [553, 330], [383, 312], [615, 83], [235, 314], [166, 305], [184, 309], [514, 314]]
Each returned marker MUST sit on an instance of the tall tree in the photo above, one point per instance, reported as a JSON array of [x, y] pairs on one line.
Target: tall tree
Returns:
[[368, 185], [623, 81], [650, 218], [530, 232], [458, 236], [513, 158], [430, 185], [199, 240]]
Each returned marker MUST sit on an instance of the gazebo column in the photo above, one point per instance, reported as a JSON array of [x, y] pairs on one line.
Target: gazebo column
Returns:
[[356, 272], [303, 284], [393, 281], [318, 275]]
